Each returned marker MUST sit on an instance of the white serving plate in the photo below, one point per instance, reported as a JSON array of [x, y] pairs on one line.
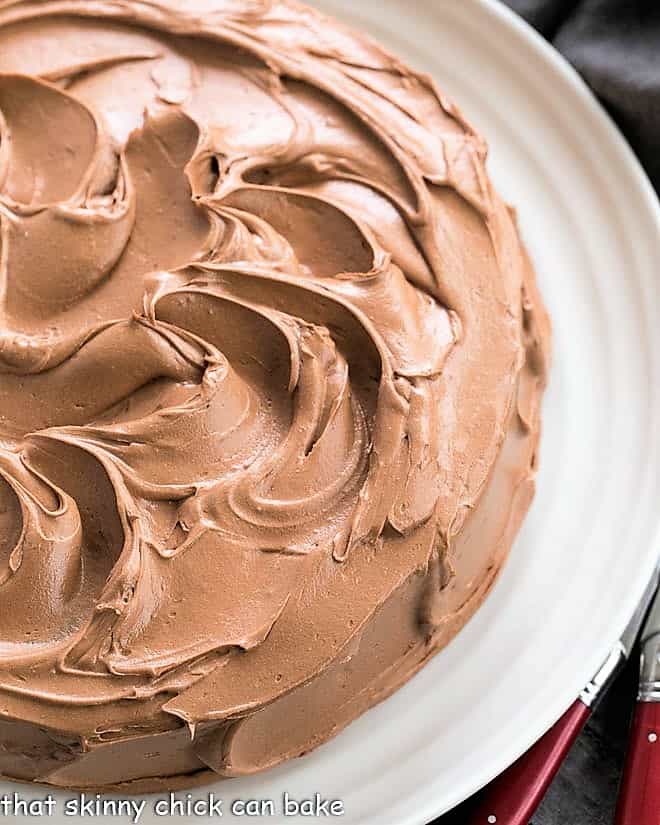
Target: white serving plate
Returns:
[[592, 223]]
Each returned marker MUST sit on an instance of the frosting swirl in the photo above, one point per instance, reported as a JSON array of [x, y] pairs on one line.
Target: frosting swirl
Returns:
[[271, 357]]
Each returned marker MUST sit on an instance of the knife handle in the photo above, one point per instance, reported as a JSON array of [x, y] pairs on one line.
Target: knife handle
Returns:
[[639, 796], [512, 798]]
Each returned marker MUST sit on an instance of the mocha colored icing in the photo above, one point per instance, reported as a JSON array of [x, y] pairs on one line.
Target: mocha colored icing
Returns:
[[271, 356]]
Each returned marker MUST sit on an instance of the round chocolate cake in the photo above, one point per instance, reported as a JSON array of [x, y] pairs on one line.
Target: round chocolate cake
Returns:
[[271, 357]]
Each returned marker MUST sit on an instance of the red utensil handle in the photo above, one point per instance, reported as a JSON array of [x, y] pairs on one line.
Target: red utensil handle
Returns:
[[639, 796], [512, 798]]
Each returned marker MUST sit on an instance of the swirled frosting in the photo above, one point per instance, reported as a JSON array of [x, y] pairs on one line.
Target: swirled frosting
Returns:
[[271, 355]]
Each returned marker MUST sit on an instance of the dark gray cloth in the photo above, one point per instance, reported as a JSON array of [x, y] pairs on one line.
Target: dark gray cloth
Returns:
[[615, 45]]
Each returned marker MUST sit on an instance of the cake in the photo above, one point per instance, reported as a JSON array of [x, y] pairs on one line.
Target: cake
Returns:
[[272, 356]]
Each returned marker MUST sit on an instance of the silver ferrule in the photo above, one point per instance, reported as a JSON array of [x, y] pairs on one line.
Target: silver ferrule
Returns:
[[649, 677], [604, 676]]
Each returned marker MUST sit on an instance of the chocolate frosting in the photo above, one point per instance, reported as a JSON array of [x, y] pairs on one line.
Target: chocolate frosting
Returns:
[[271, 356]]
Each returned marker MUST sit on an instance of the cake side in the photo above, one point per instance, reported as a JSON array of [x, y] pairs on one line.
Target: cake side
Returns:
[[272, 356]]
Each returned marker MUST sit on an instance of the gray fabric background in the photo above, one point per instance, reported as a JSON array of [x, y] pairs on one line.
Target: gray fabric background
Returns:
[[615, 45]]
